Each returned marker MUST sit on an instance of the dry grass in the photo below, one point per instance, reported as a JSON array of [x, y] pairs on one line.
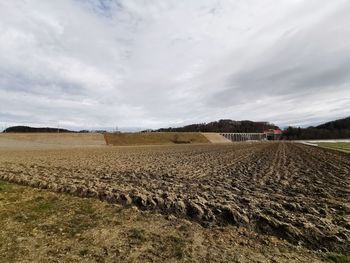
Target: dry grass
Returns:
[[154, 138]]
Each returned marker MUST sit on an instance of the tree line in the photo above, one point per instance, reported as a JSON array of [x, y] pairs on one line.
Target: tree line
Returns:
[[339, 129], [223, 126]]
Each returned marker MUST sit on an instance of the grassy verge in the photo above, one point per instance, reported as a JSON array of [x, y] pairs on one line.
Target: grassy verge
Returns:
[[339, 258], [340, 146]]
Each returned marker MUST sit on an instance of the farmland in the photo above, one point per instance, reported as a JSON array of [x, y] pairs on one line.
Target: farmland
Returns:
[[42, 226], [340, 146], [288, 191]]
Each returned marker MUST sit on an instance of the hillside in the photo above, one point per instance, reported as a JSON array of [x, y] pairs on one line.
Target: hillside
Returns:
[[338, 129], [21, 129], [223, 126], [341, 124], [48, 140], [154, 138]]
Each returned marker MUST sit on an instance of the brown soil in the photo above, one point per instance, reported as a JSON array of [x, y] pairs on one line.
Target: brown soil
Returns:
[[295, 192], [27, 140], [41, 226], [215, 137], [154, 138]]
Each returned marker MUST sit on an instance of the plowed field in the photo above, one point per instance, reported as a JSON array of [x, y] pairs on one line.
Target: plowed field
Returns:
[[296, 192]]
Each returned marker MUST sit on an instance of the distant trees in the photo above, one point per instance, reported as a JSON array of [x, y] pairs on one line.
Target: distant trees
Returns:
[[339, 129], [341, 124], [24, 129], [32, 129], [223, 126]]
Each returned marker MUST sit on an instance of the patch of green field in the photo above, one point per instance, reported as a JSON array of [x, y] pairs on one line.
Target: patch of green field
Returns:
[[339, 258], [340, 146], [179, 248], [138, 234]]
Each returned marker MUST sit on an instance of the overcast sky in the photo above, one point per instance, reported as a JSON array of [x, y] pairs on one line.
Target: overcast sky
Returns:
[[160, 63]]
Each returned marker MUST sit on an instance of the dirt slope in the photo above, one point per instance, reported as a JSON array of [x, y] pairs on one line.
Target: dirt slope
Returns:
[[215, 137], [154, 138], [25, 140]]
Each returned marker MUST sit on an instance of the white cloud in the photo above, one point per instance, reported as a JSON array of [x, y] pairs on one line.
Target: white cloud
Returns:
[[159, 63]]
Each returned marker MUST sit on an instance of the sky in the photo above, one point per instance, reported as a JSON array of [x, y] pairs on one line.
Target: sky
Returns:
[[160, 63]]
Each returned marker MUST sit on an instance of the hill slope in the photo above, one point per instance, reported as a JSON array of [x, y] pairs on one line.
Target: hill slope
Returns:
[[338, 129], [341, 124], [216, 137], [154, 138], [223, 126], [20, 129], [39, 140]]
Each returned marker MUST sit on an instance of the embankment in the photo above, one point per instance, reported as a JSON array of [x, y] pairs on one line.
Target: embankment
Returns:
[[29, 140], [154, 138]]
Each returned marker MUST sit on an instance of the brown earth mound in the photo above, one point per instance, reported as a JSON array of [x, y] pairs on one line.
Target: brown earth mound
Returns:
[[9, 140], [216, 137], [295, 192], [154, 138]]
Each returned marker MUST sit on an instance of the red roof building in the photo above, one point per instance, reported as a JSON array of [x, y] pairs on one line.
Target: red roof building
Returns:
[[273, 134]]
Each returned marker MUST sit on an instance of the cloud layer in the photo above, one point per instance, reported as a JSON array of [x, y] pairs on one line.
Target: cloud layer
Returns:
[[142, 63]]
